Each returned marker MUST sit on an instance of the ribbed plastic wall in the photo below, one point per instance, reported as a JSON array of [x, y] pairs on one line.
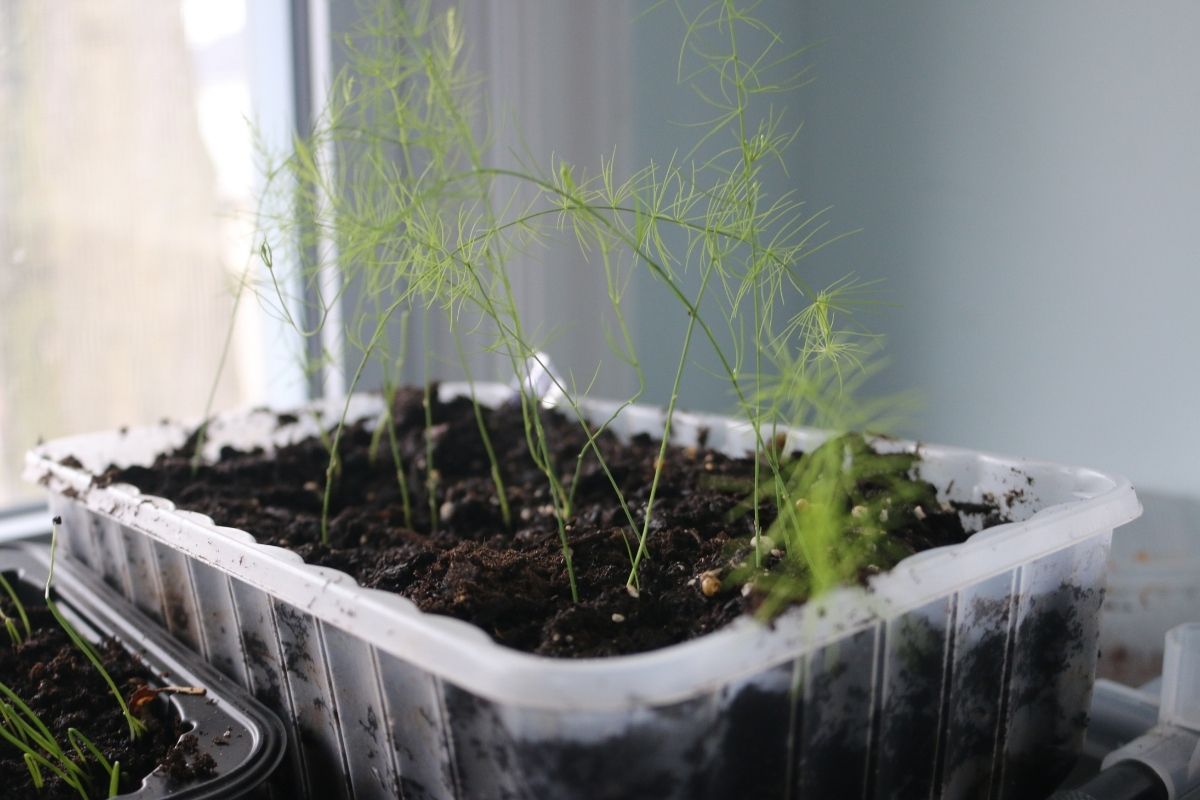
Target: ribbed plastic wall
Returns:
[[981, 694]]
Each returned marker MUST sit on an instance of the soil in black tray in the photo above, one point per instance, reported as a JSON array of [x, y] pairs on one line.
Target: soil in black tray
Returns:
[[49, 673], [512, 582]]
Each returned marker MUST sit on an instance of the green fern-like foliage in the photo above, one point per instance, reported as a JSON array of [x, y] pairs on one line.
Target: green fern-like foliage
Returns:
[[396, 182]]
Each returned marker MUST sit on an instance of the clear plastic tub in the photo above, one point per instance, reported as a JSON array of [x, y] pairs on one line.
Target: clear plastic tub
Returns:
[[964, 672]]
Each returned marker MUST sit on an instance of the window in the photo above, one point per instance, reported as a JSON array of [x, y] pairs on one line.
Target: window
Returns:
[[127, 185]]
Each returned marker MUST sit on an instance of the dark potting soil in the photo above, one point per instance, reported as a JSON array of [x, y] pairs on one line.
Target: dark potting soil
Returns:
[[512, 582], [49, 673]]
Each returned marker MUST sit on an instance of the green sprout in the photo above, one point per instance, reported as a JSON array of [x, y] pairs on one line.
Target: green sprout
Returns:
[[22, 728], [840, 503], [136, 728], [10, 624]]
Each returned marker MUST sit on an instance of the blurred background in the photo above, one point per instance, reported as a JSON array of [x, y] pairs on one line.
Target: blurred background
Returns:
[[127, 178], [1023, 177]]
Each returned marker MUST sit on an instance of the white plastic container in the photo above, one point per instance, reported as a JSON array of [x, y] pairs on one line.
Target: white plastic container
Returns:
[[964, 672]]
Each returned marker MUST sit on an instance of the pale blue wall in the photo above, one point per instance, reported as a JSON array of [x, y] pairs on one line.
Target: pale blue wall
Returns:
[[1027, 177]]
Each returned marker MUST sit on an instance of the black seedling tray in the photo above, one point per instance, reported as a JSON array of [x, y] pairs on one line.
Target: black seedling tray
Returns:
[[251, 737]]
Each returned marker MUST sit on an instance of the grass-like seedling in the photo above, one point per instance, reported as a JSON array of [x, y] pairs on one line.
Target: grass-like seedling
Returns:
[[10, 624], [136, 728], [424, 226], [71, 756], [22, 728]]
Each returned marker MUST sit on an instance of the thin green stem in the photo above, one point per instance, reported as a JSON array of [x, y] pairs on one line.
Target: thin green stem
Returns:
[[493, 462], [427, 401], [226, 348], [19, 607], [750, 194], [136, 728], [397, 461], [660, 462], [327, 496]]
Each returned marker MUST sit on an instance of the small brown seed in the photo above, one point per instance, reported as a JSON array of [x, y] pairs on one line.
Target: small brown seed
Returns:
[[710, 583], [618, 617]]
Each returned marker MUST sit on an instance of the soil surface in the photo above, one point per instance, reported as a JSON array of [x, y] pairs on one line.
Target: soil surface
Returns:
[[49, 673], [511, 580]]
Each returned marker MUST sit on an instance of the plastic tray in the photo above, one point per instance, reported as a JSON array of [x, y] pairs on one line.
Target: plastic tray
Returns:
[[964, 672], [254, 747]]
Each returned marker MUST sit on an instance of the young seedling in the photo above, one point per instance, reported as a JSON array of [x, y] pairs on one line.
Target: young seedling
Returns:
[[10, 624], [23, 729], [387, 424], [841, 503], [41, 751], [136, 728]]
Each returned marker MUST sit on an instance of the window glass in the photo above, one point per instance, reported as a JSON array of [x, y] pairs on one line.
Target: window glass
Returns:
[[127, 176]]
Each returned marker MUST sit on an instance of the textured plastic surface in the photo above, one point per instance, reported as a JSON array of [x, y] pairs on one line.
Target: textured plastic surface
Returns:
[[964, 672], [1153, 585], [1171, 750], [1181, 677], [1119, 714], [245, 756], [1125, 781]]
